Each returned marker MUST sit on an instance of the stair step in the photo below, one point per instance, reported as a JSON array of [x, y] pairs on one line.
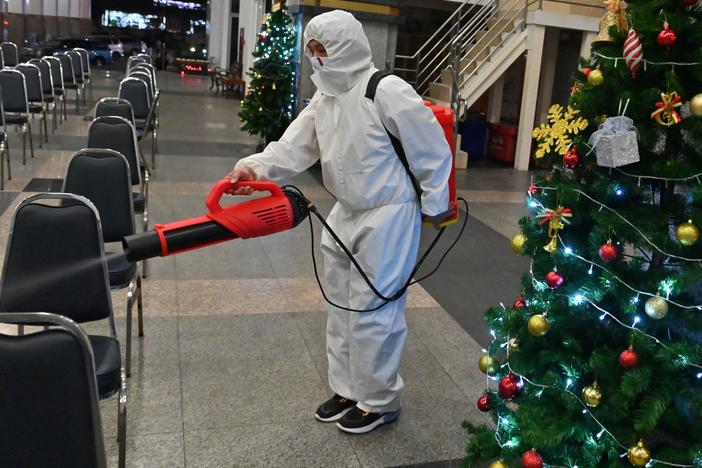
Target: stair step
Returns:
[[499, 24], [447, 77], [440, 91]]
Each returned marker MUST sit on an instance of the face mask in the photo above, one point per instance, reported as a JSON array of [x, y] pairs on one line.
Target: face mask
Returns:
[[318, 63]]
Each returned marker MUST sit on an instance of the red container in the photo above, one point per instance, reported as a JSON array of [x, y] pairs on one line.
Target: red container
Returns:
[[502, 144], [447, 121]]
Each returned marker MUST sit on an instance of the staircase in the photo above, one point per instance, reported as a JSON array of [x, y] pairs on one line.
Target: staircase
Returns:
[[468, 53]]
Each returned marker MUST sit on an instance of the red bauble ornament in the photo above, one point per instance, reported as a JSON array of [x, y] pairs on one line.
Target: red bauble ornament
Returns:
[[689, 3], [520, 302], [484, 403], [571, 159], [586, 71], [554, 280], [667, 37], [609, 252], [532, 459], [510, 386], [532, 190], [628, 358]]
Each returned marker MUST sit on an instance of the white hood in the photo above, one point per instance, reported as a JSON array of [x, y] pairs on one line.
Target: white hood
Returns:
[[348, 50]]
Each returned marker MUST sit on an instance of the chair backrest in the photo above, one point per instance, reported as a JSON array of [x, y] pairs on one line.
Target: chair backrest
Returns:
[[55, 260], [47, 82], [118, 134], [10, 55], [85, 59], [66, 69], [49, 398], [134, 61], [56, 71], [145, 57], [114, 106], [2, 59], [32, 79], [146, 78], [136, 91], [77, 63], [14, 96], [102, 176], [148, 69]]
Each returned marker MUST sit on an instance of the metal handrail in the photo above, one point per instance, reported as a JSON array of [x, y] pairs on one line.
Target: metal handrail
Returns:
[[480, 19]]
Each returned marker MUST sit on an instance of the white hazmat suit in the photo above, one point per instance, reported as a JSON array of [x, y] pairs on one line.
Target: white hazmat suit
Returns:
[[377, 214]]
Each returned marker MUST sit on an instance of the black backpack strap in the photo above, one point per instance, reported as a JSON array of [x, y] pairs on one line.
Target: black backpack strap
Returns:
[[370, 94]]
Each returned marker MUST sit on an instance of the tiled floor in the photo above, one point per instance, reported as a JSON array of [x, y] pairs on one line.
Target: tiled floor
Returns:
[[232, 365]]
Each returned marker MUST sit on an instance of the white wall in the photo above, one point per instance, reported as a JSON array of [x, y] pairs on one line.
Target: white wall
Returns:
[[50, 7], [34, 7], [63, 7], [15, 6], [74, 9]]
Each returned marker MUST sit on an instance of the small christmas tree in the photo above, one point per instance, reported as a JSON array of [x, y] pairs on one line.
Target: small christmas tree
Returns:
[[268, 104], [598, 363]]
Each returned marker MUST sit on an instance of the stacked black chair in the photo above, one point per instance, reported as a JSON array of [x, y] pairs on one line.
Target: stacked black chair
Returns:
[[55, 262], [57, 83], [14, 100], [2, 60], [69, 76], [50, 397], [133, 61], [77, 62], [137, 92], [4, 148], [118, 134], [87, 77], [9, 53], [103, 177], [47, 85], [145, 57], [35, 96], [150, 70]]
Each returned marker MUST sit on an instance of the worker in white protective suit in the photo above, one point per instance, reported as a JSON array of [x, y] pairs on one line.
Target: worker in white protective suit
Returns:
[[377, 214]]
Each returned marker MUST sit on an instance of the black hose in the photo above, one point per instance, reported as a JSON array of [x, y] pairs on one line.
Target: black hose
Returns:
[[399, 293]]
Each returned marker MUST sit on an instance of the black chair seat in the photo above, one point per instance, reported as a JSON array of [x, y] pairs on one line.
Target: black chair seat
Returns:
[[120, 269], [107, 364], [139, 202], [16, 119], [3, 136], [58, 91], [48, 98], [35, 108], [70, 86], [79, 80]]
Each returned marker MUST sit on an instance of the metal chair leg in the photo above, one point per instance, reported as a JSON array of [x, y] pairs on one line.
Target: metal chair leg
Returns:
[[41, 133], [128, 351], [24, 144], [54, 124], [31, 143], [2, 166], [46, 126], [63, 104], [140, 307], [7, 155], [77, 100], [122, 421]]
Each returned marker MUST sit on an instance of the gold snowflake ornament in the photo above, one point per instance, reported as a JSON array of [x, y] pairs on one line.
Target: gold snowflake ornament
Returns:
[[557, 136]]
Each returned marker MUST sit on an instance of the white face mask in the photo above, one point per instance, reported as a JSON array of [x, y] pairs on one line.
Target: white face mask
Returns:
[[317, 63]]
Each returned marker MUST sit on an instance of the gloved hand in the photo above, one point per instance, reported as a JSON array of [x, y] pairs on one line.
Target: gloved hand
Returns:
[[241, 174], [436, 220]]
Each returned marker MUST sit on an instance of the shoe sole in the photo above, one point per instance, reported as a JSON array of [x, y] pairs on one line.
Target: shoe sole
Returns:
[[387, 419], [336, 417]]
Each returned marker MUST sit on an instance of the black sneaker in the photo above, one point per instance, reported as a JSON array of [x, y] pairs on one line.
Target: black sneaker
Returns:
[[358, 421], [334, 409]]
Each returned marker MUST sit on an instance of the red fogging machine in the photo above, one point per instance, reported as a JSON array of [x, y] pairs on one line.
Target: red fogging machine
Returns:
[[282, 210]]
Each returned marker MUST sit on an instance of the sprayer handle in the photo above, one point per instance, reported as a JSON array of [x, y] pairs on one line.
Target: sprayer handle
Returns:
[[221, 187]]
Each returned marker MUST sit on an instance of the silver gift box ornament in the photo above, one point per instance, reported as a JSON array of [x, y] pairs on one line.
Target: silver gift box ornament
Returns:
[[616, 143]]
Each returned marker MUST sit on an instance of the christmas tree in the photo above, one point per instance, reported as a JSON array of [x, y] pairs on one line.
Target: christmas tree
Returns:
[[598, 363], [268, 104]]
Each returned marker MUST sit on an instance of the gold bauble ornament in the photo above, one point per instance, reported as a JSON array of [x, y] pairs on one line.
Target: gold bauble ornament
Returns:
[[499, 464], [538, 325], [517, 244], [687, 233], [696, 105], [513, 344], [592, 395], [639, 455], [596, 78], [487, 364], [656, 307]]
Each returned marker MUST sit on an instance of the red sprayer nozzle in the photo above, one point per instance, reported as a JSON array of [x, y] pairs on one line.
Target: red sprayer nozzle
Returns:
[[282, 210]]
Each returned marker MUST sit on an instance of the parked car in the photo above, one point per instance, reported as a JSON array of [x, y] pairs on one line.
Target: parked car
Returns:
[[113, 43], [55, 45], [99, 51], [132, 45]]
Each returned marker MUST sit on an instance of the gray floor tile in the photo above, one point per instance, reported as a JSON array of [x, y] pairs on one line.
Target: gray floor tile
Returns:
[[149, 451], [243, 393], [300, 444], [221, 339]]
